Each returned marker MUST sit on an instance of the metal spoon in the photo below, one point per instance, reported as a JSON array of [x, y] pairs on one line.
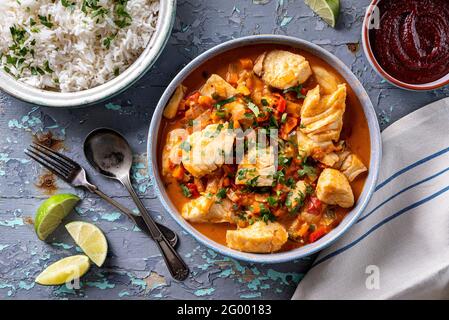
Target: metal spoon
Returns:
[[110, 154]]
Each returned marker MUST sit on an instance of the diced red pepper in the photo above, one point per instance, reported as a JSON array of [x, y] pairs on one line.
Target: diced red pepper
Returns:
[[193, 190], [303, 91], [315, 206], [318, 233], [281, 104]]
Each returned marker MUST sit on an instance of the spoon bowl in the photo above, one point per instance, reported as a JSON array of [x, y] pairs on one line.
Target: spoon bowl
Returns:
[[109, 153]]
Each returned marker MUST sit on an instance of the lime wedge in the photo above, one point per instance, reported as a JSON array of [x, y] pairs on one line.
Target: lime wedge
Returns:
[[64, 271], [328, 10], [51, 212], [90, 239]]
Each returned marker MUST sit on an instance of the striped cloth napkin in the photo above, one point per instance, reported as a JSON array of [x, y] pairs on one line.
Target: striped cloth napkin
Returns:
[[399, 247]]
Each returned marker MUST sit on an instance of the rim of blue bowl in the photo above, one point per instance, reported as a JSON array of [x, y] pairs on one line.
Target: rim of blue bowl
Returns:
[[46, 98], [375, 137]]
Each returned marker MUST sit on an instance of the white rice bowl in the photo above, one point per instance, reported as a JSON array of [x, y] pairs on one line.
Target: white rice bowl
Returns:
[[71, 50]]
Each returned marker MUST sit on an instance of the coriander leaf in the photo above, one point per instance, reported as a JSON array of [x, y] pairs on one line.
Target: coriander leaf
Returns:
[[296, 89], [264, 102], [221, 194], [185, 191], [46, 21], [307, 170], [47, 67], [221, 103], [272, 201]]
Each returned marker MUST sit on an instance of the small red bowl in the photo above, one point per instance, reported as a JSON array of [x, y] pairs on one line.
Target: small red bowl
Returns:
[[377, 67]]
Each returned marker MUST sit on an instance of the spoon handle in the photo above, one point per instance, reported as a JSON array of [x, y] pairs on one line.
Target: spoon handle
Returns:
[[177, 267], [138, 220]]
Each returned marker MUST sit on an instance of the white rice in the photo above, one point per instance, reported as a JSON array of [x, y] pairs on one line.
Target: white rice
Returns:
[[73, 45]]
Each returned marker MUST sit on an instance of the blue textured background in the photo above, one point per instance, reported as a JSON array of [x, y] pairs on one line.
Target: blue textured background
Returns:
[[134, 268]]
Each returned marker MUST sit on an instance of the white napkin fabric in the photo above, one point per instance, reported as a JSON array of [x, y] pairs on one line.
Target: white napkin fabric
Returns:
[[399, 247]]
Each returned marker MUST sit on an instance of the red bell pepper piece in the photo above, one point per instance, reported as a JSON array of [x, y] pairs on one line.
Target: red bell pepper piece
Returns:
[[193, 190], [281, 104], [318, 233], [315, 206]]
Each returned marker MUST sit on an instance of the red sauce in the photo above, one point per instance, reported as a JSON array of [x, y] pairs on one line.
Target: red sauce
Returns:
[[412, 43]]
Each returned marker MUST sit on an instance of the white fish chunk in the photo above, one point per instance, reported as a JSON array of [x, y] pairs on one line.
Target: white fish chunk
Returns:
[[322, 116], [260, 237], [333, 188], [350, 165], [282, 69], [327, 80], [172, 153], [206, 209], [172, 107], [216, 86], [208, 149]]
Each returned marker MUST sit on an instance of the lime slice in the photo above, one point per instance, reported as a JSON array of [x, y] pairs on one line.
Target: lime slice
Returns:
[[328, 10], [51, 212], [90, 239], [64, 271]]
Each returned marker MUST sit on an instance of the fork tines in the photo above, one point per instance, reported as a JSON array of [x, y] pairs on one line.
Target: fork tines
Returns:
[[57, 163]]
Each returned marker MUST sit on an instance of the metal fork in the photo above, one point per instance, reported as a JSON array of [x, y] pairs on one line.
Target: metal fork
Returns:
[[72, 173]]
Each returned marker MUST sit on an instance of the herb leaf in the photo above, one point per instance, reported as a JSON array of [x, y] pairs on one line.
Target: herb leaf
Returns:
[[46, 21], [296, 89], [307, 170], [221, 194], [185, 191], [221, 103]]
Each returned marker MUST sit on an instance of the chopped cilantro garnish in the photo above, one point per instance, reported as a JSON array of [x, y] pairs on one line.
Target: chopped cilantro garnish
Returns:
[[264, 102], [296, 89], [272, 201], [123, 18], [290, 182], [108, 40], [279, 176], [221, 103], [47, 67], [252, 182], [307, 170], [273, 122], [46, 21], [185, 191], [221, 194], [265, 214], [67, 4]]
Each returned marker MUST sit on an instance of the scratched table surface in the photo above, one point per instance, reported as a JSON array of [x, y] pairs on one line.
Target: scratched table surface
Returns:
[[134, 269]]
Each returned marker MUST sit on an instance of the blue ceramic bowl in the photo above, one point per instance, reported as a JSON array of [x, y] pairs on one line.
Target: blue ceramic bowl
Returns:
[[374, 165]]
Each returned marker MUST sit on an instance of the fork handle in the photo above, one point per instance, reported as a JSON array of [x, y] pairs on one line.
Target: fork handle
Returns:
[[138, 220], [176, 265]]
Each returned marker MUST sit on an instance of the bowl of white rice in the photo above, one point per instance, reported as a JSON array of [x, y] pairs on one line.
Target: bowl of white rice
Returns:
[[70, 53]]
